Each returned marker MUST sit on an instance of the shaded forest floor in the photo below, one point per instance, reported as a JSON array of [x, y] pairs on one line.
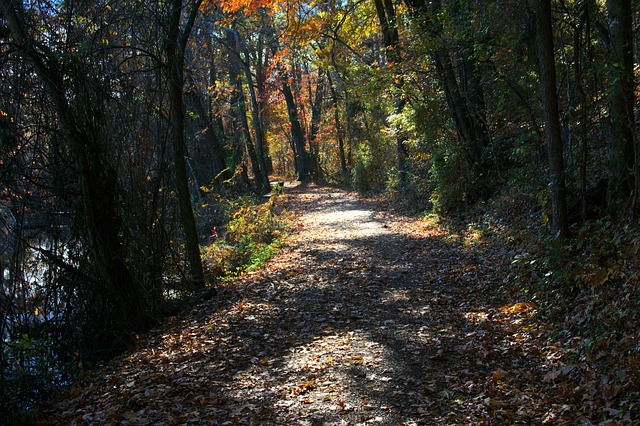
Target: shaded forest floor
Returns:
[[366, 317]]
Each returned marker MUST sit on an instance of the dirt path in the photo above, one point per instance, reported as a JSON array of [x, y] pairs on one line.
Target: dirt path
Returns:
[[363, 319]]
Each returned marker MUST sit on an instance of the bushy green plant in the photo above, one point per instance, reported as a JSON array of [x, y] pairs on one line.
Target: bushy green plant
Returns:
[[253, 233], [452, 180], [372, 160]]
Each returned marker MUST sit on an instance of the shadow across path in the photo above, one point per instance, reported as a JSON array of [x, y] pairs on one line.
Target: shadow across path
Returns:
[[362, 319]]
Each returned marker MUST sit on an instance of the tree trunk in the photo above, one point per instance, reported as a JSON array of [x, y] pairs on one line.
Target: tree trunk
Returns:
[[296, 130], [316, 117], [471, 84], [339, 130], [622, 155], [208, 126], [217, 124], [387, 19], [238, 101], [256, 117], [98, 184], [260, 98], [463, 92], [582, 43], [546, 61], [175, 46]]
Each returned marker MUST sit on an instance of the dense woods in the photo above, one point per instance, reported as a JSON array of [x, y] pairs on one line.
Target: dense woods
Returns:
[[133, 132]]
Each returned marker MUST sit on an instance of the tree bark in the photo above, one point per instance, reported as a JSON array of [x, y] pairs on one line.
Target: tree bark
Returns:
[[462, 118], [296, 129], [316, 117], [208, 126], [239, 108], [622, 150], [387, 19], [175, 45], [546, 61], [471, 80], [339, 130], [256, 118], [262, 63], [463, 92]]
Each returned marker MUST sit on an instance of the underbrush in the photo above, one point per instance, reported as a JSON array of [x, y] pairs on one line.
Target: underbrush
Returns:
[[253, 233], [587, 296], [35, 370]]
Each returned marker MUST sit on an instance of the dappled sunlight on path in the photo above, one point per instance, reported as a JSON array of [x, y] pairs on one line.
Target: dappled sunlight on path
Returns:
[[361, 319]]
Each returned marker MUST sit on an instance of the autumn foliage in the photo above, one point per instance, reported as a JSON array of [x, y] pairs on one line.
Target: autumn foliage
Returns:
[[140, 138]]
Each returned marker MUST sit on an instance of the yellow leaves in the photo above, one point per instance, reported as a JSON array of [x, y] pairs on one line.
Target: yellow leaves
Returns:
[[545, 218], [357, 359], [308, 385], [302, 388]]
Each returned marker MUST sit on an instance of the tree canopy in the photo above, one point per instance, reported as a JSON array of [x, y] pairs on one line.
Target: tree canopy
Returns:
[[128, 129]]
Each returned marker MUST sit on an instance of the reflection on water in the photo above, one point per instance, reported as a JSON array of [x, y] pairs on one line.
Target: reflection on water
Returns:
[[32, 308]]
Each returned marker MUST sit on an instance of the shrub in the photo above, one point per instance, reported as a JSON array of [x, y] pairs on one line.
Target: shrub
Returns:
[[253, 233], [452, 181], [372, 160]]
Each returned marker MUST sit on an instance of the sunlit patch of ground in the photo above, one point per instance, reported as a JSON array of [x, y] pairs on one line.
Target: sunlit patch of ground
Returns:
[[364, 318]]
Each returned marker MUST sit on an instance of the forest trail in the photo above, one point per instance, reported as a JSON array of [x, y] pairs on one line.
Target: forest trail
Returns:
[[365, 317]]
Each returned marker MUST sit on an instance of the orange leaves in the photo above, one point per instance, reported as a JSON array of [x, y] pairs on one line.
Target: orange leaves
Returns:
[[311, 27], [248, 6], [521, 307], [281, 59], [498, 375]]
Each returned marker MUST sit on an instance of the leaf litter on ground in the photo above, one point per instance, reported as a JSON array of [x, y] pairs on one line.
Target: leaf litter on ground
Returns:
[[367, 316]]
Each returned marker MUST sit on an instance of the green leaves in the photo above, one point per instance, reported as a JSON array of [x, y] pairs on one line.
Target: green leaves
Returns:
[[252, 235]]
